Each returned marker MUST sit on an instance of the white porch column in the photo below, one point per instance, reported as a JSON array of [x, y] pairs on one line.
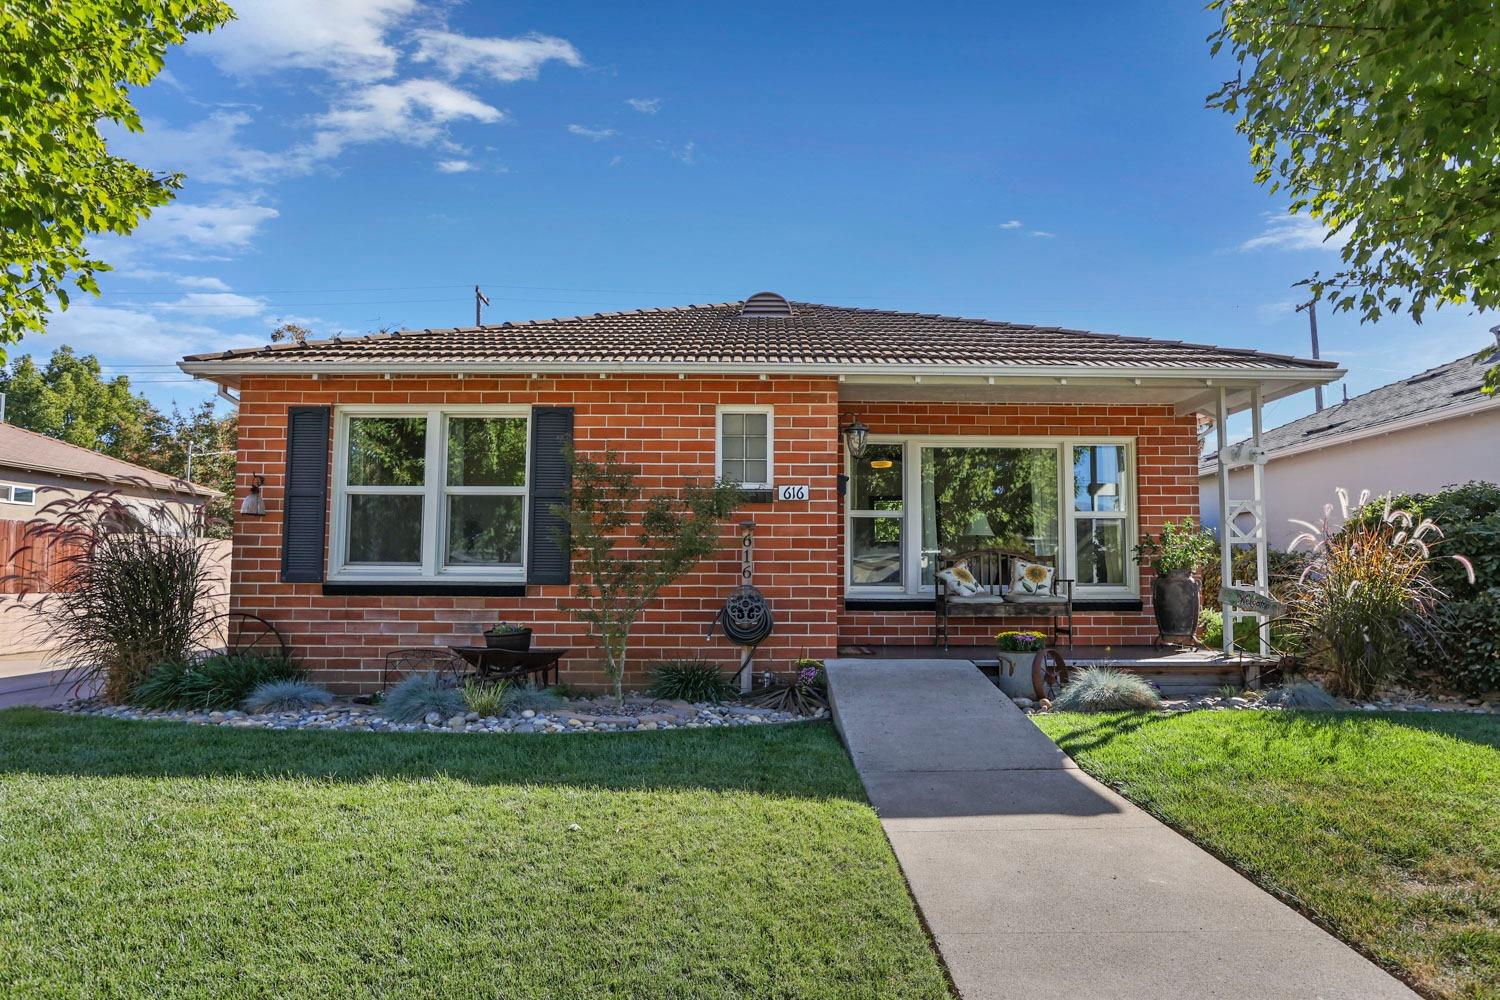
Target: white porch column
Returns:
[[1258, 502], [1226, 552]]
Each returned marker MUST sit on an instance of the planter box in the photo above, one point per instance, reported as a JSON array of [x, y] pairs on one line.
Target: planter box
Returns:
[[1016, 678]]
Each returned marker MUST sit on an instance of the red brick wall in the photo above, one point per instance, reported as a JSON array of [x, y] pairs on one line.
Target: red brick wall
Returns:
[[1166, 448], [664, 426]]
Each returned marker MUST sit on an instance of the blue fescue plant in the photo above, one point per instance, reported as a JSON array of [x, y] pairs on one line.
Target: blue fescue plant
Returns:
[[286, 696], [416, 696], [1101, 689]]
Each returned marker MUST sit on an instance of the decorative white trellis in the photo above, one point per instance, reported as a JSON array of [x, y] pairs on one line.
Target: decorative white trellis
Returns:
[[1242, 524]]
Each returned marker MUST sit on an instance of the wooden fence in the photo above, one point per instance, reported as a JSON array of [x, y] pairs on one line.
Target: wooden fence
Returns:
[[30, 565]]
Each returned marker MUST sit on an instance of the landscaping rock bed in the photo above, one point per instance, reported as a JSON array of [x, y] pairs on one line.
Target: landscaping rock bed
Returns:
[[583, 716]]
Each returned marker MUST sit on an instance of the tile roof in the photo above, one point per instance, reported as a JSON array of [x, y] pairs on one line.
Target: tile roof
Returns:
[[33, 452], [1451, 386], [720, 335]]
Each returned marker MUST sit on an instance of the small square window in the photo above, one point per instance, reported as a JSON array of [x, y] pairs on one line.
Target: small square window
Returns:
[[745, 447], [23, 494]]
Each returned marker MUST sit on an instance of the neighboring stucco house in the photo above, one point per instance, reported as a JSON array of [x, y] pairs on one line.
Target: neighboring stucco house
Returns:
[[1431, 430], [36, 471], [409, 477]]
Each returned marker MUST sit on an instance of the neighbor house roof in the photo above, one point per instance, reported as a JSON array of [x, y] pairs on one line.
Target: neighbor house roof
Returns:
[[1450, 390], [29, 451], [794, 336]]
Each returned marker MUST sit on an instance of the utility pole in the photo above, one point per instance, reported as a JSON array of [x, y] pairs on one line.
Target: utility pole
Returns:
[[480, 301], [1312, 321]]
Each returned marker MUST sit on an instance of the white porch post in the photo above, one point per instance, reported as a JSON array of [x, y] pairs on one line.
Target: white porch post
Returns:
[[1226, 552], [1262, 557]]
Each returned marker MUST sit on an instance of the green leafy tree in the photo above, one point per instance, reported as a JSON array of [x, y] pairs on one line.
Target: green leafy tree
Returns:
[[212, 438], [67, 67], [1382, 122], [627, 547], [70, 399]]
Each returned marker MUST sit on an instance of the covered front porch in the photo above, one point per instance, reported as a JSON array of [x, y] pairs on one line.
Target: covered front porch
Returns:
[[1072, 474]]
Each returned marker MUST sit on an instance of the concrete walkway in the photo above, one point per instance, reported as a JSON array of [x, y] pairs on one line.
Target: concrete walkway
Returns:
[[1038, 882]]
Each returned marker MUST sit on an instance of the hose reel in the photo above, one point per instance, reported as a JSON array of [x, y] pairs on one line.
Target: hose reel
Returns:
[[746, 619]]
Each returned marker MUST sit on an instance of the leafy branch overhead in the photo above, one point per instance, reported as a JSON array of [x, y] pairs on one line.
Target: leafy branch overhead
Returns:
[[66, 67], [1382, 122]]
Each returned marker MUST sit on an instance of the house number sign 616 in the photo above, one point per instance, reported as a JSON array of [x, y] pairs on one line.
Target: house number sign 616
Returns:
[[791, 493]]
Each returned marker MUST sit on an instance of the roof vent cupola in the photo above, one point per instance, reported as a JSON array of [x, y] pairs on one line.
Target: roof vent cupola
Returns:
[[766, 304]]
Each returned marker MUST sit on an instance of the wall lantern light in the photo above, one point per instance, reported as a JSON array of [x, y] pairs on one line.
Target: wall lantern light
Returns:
[[254, 505], [856, 437]]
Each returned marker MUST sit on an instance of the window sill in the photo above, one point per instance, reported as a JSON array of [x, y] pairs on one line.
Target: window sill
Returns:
[[421, 588], [852, 603], [1082, 605], [758, 494]]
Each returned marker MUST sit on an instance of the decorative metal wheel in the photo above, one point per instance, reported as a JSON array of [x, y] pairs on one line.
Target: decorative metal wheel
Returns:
[[1049, 672], [240, 633]]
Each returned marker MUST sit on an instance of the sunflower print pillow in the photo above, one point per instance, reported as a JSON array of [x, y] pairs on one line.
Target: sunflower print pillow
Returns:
[[1032, 579]]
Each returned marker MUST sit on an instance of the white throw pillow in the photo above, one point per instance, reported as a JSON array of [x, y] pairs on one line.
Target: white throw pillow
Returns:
[[1031, 579]]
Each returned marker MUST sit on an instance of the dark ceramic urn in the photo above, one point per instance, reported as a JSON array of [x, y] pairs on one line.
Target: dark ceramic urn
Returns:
[[1174, 598]]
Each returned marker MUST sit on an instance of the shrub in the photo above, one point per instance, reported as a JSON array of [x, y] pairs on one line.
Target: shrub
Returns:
[[1472, 630], [804, 694], [414, 697], [1181, 545], [486, 697], [220, 681], [690, 680], [1366, 599], [549, 699], [1282, 571], [1020, 642], [1299, 694], [1211, 633], [123, 589], [1102, 689], [286, 696]]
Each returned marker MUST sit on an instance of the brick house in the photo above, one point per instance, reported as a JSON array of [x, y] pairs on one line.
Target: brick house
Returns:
[[409, 477]]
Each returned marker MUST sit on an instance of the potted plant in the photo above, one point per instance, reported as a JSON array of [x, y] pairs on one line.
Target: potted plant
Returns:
[[1016, 652], [1176, 555], [508, 635]]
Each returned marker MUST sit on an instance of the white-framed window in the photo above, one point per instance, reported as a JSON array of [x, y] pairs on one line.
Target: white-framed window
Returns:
[[430, 493], [913, 502], [17, 494], [746, 445]]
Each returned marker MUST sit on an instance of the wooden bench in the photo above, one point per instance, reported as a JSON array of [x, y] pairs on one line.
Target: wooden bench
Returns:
[[993, 569]]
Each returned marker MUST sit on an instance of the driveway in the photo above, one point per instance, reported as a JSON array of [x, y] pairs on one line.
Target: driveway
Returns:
[[1038, 882]]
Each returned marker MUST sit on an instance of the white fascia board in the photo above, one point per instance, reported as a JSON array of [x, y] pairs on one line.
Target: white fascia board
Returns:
[[1202, 375]]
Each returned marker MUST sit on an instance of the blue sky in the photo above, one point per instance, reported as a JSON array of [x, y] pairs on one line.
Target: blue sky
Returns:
[[356, 164]]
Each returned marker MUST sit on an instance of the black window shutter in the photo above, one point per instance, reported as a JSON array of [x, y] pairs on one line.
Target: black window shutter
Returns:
[[548, 554], [305, 498]]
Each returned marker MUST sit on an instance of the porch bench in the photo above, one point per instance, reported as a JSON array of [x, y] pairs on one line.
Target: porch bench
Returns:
[[993, 569]]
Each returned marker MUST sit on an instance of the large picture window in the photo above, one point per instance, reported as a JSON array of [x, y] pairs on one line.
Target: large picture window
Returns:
[[915, 503], [430, 493]]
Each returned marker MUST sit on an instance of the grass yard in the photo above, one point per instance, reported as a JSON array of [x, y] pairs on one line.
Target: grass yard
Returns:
[[1386, 828], [163, 860]]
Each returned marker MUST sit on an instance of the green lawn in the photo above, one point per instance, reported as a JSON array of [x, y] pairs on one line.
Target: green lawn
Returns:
[[163, 860], [1386, 828]]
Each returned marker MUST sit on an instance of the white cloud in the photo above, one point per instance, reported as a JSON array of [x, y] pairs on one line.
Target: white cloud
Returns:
[[454, 166], [645, 105], [345, 38], [687, 153], [208, 151], [412, 111], [229, 224], [224, 305], [503, 59], [1041, 233], [1292, 232], [615, 160], [592, 134], [1012, 224], [123, 335], [201, 281]]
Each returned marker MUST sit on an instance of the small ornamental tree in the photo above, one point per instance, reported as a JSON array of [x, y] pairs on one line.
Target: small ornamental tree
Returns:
[[627, 547]]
